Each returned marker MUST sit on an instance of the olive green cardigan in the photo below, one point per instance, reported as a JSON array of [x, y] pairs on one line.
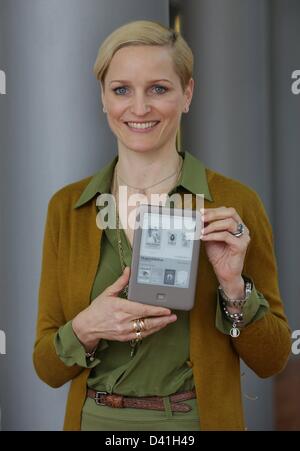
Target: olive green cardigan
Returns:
[[70, 259]]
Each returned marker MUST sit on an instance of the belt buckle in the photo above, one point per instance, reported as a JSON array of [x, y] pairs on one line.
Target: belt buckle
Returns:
[[97, 395]]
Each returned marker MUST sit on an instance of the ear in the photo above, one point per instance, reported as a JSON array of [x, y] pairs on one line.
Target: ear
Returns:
[[102, 97], [189, 90]]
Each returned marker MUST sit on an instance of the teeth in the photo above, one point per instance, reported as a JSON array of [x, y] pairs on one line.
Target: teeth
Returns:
[[142, 125]]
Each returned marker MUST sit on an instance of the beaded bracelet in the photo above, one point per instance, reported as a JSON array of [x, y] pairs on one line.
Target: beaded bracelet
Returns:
[[237, 302], [237, 320]]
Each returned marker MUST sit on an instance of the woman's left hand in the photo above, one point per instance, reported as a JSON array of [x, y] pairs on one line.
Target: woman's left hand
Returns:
[[225, 251]]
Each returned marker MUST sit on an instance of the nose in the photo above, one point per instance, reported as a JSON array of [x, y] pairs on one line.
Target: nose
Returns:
[[139, 105]]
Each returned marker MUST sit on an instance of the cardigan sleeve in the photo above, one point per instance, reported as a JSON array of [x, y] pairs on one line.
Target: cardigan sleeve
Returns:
[[47, 363], [264, 344]]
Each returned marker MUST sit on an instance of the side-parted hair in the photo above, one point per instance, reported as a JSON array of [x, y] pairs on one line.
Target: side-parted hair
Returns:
[[144, 32]]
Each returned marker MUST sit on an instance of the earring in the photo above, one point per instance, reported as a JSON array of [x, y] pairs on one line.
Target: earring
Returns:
[[186, 109], [104, 110]]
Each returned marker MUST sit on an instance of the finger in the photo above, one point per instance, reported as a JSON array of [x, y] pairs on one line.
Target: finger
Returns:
[[154, 323], [228, 238], [155, 326], [228, 225], [119, 284], [158, 325], [138, 310], [213, 214]]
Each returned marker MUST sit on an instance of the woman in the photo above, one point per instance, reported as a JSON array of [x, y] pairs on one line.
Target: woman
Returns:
[[119, 354]]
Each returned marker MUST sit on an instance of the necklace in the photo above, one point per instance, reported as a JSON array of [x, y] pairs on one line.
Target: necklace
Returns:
[[119, 240], [133, 343], [143, 190], [124, 291]]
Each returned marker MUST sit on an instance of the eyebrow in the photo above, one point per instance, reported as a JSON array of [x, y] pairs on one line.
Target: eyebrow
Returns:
[[150, 82]]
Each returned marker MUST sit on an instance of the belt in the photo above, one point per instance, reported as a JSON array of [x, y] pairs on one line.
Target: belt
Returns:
[[148, 402]]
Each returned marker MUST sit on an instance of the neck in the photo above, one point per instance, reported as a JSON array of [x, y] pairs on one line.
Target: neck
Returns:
[[142, 169]]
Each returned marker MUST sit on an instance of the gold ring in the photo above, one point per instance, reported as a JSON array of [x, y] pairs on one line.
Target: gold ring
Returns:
[[138, 325], [141, 323], [138, 336]]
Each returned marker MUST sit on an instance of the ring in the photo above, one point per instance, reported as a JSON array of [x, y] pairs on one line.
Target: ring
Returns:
[[138, 325], [138, 336], [239, 231]]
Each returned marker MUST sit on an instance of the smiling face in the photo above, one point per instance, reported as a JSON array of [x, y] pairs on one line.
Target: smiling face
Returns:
[[143, 98]]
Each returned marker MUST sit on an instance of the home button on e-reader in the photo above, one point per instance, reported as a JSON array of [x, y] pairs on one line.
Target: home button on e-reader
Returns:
[[161, 296]]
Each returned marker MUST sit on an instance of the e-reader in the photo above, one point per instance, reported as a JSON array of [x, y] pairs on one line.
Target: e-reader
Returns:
[[165, 258]]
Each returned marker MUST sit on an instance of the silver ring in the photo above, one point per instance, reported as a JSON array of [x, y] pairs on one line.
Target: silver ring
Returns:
[[239, 231]]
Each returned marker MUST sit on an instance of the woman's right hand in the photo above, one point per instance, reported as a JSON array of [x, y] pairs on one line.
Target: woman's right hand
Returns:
[[110, 317]]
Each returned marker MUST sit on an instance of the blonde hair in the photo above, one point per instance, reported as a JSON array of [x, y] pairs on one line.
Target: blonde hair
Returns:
[[144, 32]]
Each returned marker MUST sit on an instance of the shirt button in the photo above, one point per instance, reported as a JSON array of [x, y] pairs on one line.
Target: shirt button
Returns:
[[189, 364]]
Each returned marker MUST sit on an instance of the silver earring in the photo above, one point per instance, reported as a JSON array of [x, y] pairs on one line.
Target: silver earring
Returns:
[[104, 110], [186, 109]]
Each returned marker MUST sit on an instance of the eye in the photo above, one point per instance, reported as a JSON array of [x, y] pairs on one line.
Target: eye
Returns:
[[120, 91], [158, 89]]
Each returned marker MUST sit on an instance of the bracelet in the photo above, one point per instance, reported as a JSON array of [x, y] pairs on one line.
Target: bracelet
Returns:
[[237, 302], [91, 355], [237, 321], [236, 318]]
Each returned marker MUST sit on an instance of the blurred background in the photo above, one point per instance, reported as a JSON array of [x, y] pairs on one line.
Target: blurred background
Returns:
[[244, 123]]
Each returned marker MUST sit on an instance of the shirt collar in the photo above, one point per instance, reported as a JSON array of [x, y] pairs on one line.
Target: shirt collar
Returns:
[[193, 178]]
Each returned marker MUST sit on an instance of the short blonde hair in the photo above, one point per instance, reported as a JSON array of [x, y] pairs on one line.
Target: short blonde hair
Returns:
[[145, 32]]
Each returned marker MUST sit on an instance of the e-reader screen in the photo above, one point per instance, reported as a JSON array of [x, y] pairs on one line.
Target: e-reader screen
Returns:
[[166, 250]]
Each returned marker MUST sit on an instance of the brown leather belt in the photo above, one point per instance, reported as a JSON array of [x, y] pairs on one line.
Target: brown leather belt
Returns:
[[147, 402]]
